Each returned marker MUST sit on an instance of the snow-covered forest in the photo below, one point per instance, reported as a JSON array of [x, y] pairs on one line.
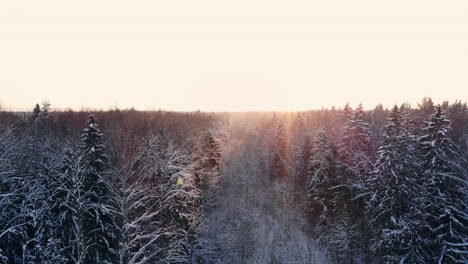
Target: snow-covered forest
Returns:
[[340, 185]]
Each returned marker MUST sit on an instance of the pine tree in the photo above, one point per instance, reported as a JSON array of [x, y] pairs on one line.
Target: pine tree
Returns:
[[393, 185], [69, 208], [302, 163], [343, 234], [28, 185], [35, 168], [425, 110], [355, 147], [51, 244], [377, 124], [299, 127], [298, 133], [36, 112], [327, 192], [48, 244], [444, 204], [302, 146], [356, 151], [280, 152], [347, 112], [95, 194], [207, 164], [176, 199]]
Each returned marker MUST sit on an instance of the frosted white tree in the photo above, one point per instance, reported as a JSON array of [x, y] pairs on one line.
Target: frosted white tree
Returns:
[[69, 208], [356, 150], [207, 164], [320, 179], [35, 166], [355, 147], [329, 197], [157, 204], [343, 234], [95, 196], [393, 185], [444, 202], [10, 223]]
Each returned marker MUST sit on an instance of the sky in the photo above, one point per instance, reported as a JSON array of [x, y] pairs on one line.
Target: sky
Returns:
[[231, 55]]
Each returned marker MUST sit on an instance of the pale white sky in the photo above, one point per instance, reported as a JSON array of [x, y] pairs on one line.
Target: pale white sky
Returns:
[[231, 55]]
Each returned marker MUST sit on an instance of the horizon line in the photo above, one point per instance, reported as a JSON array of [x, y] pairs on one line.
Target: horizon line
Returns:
[[111, 108]]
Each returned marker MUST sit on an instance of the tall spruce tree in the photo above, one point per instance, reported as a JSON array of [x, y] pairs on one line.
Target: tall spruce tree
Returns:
[[329, 199], [69, 208], [36, 112], [355, 146], [357, 152], [327, 179], [280, 152], [393, 185], [301, 144], [444, 203], [95, 194]]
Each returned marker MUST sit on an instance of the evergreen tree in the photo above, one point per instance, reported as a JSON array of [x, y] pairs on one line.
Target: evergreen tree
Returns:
[[34, 168], [377, 124], [10, 193], [28, 181], [356, 151], [343, 234], [36, 112], [280, 152], [298, 133], [347, 112], [207, 164], [95, 194], [444, 204], [176, 201], [393, 185], [327, 192], [337, 119], [302, 147], [136, 204], [302, 163], [69, 208], [48, 244], [330, 197], [355, 146]]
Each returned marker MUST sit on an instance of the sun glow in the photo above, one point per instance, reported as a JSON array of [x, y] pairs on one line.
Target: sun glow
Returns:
[[237, 56]]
